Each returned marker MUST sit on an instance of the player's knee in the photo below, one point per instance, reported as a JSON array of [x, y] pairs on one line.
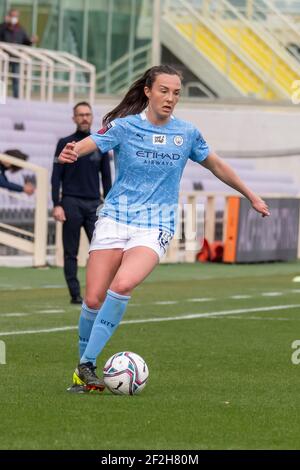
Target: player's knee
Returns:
[[93, 301], [122, 286]]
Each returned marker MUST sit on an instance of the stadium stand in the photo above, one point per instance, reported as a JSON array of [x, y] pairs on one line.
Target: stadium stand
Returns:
[[40, 124], [249, 47], [35, 126]]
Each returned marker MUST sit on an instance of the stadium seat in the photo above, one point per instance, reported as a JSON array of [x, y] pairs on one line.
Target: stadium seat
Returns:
[[27, 137], [6, 123], [43, 123], [51, 127]]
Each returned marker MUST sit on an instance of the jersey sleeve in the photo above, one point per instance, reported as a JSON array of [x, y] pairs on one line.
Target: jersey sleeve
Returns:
[[109, 137], [4, 183], [200, 149]]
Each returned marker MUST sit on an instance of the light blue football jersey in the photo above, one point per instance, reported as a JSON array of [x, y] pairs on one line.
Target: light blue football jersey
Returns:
[[149, 163]]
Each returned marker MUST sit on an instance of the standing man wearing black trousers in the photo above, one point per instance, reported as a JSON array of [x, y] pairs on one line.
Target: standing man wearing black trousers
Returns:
[[76, 194]]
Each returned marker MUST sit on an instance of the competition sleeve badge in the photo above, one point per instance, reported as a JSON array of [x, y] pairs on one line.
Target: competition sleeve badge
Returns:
[[106, 128]]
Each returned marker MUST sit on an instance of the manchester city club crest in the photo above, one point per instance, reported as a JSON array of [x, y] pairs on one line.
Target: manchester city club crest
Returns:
[[178, 140]]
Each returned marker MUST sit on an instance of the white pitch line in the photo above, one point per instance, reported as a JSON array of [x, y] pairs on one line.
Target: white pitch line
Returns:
[[50, 311], [17, 314], [234, 317], [30, 332], [52, 286], [242, 296], [190, 316], [14, 288], [271, 294], [11, 287], [14, 314], [165, 302], [200, 299]]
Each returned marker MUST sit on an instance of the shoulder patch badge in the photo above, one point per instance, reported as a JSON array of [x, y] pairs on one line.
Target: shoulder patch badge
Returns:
[[106, 128]]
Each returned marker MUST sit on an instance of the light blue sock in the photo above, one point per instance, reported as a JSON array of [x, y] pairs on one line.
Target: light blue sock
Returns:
[[107, 321], [86, 321]]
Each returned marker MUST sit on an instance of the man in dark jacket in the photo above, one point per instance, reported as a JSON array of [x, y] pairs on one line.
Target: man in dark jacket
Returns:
[[11, 31], [80, 198]]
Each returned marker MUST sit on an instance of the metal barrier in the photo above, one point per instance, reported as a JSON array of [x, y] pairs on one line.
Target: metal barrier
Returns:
[[251, 54], [120, 74], [44, 74]]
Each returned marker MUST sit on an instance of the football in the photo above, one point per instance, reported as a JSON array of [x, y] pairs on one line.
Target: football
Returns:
[[125, 373]]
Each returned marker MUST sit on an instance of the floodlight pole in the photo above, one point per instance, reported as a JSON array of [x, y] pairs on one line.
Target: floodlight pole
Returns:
[[156, 33]]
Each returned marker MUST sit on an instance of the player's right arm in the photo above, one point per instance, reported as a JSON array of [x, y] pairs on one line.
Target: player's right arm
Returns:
[[107, 138], [73, 150]]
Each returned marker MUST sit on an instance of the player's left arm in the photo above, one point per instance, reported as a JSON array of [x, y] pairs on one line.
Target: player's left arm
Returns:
[[225, 173]]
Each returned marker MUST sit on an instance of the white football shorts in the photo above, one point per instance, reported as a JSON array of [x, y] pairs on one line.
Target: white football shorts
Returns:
[[110, 234]]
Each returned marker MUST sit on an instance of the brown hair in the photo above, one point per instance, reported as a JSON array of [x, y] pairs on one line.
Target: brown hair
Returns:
[[135, 100], [81, 103], [17, 154]]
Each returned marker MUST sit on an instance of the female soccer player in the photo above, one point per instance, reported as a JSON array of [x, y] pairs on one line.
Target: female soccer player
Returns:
[[138, 218]]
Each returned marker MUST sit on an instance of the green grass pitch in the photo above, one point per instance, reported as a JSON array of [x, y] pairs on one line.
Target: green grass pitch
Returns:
[[223, 380]]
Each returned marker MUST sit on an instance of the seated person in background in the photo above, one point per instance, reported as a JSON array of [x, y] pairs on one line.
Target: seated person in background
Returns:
[[28, 187]]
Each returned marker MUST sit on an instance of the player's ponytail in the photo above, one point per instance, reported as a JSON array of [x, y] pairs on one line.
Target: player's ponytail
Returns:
[[135, 100]]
